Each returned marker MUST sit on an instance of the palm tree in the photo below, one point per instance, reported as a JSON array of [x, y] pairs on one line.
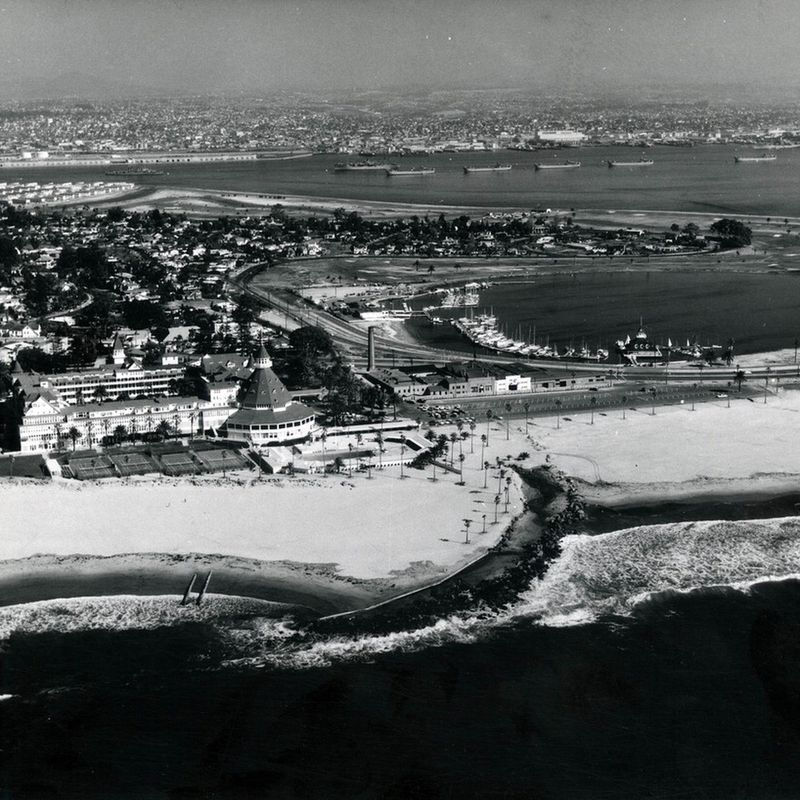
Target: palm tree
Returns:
[[74, 434], [472, 427], [379, 440], [402, 455], [467, 523], [89, 429], [453, 439], [461, 458], [496, 505], [486, 466], [624, 402], [120, 434], [527, 407], [593, 402], [653, 393], [558, 414], [484, 440], [488, 422], [508, 421], [100, 393], [508, 487], [323, 438], [350, 460], [163, 429]]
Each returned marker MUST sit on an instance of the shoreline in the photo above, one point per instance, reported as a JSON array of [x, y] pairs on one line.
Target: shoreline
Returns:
[[148, 194]]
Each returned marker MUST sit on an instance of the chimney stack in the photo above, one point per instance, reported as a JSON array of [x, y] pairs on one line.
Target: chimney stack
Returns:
[[370, 348]]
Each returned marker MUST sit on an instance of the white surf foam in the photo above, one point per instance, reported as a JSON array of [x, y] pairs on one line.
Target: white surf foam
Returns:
[[126, 612], [594, 576], [612, 573]]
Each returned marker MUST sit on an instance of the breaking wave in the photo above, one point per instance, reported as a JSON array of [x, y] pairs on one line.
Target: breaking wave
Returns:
[[594, 577], [610, 574], [127, 612]]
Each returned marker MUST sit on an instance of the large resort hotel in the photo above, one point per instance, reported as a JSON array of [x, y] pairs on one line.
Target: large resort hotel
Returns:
[[267, 414], [49, 406]]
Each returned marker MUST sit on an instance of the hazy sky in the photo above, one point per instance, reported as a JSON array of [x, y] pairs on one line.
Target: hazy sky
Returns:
[[271, 44]]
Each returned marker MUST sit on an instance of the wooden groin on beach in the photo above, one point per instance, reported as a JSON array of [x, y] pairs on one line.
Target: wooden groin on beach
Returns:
[[187, 595]]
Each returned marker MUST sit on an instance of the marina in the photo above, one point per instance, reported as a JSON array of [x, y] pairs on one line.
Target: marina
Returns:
[[485, 330]]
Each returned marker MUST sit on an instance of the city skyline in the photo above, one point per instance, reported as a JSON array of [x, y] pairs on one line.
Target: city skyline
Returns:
[[85, 47]]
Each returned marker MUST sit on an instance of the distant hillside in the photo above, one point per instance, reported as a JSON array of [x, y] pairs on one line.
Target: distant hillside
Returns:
[[77, 85]]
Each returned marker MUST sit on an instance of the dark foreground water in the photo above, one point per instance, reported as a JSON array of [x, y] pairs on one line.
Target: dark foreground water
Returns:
[[695, 696]]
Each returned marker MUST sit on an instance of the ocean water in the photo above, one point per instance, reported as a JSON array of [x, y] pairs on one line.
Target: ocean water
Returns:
[[653, 662], [704, 179]]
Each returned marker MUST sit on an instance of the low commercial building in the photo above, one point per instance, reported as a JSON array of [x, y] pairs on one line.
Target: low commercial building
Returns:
[[476, 378]]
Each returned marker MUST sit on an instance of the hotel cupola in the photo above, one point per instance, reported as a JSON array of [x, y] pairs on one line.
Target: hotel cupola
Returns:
[[266, 413]]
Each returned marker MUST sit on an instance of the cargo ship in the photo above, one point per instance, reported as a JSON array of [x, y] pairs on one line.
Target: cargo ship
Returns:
[[396, 171], [642, 162], [751, 159], [144, 171], [561, 165], [494, 168], [359, 166]]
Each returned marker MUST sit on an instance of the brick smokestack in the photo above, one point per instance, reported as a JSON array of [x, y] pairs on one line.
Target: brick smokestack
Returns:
[[370, 348]]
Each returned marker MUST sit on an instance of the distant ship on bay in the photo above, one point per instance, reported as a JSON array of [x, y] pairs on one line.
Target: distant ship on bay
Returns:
[[558, 165], [642, 162], [751, 159], [359, 166], [493, 168], [396, 171], [144, 171]]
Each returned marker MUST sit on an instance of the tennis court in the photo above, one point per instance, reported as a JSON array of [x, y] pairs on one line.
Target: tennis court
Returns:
[[217, 460], [134, 464], [179, 463], [89, 468]]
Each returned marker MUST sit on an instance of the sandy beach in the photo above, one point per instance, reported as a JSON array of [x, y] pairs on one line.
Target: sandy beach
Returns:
[[345, 541], [747, 450]]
